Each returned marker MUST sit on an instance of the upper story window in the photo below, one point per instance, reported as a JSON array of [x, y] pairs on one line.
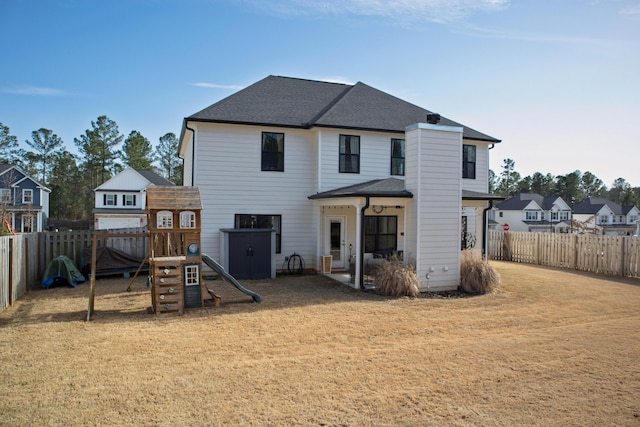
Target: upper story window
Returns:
[[397, 157], [5, 195], [349, 154], [273, 151], [604, 219], [110, 200], [129, 200], [27, 196], [564, 215], [469, 161], [187, 219], [164, 219], [531, 215]]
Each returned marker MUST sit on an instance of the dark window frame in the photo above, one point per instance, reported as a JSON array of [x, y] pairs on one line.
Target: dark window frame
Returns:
[[377, 240], [469, 153], [346, 158], [397, 161], [272, 150], [243, 221]]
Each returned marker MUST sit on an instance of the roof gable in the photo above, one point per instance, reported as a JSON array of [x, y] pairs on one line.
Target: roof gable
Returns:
[[128, 180], [292, 102]]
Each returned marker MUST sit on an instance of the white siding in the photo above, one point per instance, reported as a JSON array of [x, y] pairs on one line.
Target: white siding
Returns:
[[437, 194], [228, 172], [375, 158], [481, 183]]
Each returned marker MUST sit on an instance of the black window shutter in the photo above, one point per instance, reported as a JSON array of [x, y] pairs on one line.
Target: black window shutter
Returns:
[[123, 200], [134, 200], [104, 199]]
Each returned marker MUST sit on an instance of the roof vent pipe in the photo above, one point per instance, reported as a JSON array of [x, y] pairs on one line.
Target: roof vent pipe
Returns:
[[433, 118]]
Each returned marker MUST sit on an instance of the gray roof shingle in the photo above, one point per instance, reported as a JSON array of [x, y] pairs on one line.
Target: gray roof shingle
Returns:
[[293, 102]]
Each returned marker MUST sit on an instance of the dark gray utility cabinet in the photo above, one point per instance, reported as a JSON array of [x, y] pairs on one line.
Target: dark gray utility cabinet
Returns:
[[249, 253]]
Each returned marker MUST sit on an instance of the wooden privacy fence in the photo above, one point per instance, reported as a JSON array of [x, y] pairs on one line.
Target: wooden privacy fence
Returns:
[[25, 257], [613, 255]]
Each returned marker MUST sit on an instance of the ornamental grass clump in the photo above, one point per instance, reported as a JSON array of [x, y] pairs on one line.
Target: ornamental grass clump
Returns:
[[393, 278], [476, 275]]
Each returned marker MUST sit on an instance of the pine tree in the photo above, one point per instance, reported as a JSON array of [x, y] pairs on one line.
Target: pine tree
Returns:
[[46, 146], [137, 151], [167, 155]]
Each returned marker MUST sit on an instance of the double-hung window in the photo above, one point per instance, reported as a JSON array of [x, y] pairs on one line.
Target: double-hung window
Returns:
[[349, 154], [469, 161], [5, 195], [27, 196], [397, 157], [273, 151], [380, 233], [110, 200], [128, 200]]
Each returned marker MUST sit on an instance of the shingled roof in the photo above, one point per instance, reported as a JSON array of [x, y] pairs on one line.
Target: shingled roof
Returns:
[[300, 103], [389, 187]]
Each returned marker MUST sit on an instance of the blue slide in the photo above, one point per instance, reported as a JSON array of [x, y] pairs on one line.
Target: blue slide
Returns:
[[213, 264]]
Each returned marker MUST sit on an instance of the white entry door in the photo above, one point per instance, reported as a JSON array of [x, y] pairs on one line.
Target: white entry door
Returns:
[[335, 240]]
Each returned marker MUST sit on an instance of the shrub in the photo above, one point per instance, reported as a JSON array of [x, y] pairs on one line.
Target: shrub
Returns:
[[476, 275], [393, 278]]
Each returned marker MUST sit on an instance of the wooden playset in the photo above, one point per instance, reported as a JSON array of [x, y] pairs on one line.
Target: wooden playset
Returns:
[[175, 261]]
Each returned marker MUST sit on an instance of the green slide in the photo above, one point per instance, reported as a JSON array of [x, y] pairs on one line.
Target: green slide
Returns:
[[213, 264]]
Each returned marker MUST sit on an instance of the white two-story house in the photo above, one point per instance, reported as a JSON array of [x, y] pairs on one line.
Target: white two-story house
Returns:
[[602, 216], [340, 171], [534, 213], [121, 201]]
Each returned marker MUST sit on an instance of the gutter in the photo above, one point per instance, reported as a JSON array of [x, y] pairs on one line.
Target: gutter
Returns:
[[485, 224], [193, 154]]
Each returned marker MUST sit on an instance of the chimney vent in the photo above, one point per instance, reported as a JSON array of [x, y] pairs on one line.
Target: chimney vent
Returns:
[[433, 118]]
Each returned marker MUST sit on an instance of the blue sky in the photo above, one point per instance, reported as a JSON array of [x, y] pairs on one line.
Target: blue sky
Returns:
[[557, 81]]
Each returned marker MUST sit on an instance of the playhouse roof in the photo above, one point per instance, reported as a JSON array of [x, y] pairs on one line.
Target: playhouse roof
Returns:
[[173, 198]]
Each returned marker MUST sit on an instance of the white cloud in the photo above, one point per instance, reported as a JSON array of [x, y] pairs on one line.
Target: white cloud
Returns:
[[216, 86], [33, 90], [399, 11]]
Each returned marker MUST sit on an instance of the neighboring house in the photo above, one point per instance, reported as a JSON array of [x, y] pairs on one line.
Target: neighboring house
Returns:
[[602, 216], [341, 171], [121, 201], [24, 202], [534, 213]]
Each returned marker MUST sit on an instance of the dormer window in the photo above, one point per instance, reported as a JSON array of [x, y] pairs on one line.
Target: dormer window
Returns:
[[165, 219], [187, 219]]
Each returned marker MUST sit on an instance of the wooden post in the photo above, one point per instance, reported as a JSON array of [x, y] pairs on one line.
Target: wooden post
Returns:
[[93, 276]]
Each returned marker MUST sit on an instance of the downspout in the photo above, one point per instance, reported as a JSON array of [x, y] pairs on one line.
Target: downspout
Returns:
[[485, 224], [362, 224], [193, 154]]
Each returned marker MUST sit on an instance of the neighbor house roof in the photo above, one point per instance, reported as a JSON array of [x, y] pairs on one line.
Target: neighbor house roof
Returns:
[[154, 178], [593, 205], [300, 103], [520, 201]]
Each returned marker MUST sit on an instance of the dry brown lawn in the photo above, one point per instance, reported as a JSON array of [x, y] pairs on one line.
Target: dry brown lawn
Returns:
[[549, 347]]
